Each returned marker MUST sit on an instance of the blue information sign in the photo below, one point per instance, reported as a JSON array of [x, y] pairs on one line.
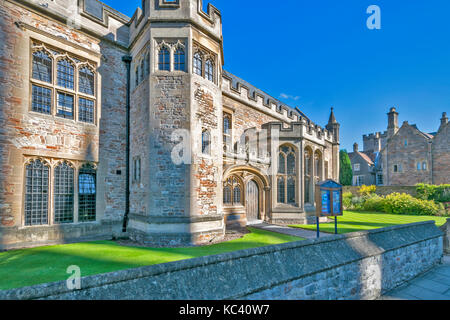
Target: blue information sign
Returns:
[[336, 202], [326, 208]]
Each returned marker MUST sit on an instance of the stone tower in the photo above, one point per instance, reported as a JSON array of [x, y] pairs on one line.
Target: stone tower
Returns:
[[178, 198]]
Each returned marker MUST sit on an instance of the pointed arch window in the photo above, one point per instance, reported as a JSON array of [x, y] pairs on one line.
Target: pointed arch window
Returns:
[[42, 66], [86, 81], [65, 73], [198, 64], [308, 175], [36, 193], [164, 59], [232, 192], [227, 127], [287, 175], [206, 142], [180, 60], [63, 193], [318, 167], [209, 70], [87, 192]]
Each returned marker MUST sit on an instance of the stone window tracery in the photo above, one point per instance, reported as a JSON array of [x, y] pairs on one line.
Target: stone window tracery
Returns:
[[164, 59], [71, 94], [63, 193], [180, 60], [232, 192], [37, 175], [286, 175]]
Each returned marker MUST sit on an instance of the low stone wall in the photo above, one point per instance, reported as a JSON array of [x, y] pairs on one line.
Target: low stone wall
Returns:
[[385, 190], [446, 230], [360, 265]]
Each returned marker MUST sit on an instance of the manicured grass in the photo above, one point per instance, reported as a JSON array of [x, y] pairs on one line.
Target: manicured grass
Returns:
[[357, 221], [26, 267]]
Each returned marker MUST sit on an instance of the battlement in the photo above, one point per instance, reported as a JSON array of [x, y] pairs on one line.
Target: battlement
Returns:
[[302, 129], [178, 11]]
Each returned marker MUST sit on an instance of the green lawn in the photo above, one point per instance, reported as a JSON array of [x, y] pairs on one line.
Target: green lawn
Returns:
[[357, 221], [25, 267]]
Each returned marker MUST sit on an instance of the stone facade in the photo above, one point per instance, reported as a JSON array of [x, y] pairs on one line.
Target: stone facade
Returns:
[[159, 92], [405, 156]]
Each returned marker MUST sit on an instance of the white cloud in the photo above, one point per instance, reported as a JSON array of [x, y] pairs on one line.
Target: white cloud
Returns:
[[290, 97]]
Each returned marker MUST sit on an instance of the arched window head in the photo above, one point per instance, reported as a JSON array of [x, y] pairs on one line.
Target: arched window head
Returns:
[[63, 193], [287, 171], [86, 81], [66, 72], [37, 175], [206, 142], [209, 70], [180, 60], [87, 193], [164, 59], [198, 63], [42, 66]]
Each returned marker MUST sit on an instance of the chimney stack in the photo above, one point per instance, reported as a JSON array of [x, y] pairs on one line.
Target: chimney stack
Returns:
[[392, 122], [444, 119], [355, 147]]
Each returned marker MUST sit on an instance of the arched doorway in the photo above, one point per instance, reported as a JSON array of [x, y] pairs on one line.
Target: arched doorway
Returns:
[[252, 201]]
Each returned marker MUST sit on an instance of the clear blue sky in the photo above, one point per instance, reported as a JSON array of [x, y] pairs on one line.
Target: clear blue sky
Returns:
[[318, 54]]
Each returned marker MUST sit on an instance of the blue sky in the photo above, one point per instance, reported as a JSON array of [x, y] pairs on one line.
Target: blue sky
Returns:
[[318, 54]]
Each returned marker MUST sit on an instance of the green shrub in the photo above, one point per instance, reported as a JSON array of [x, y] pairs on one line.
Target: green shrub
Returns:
[[367, 190], [347, 200], [406, 204], [440, 193], [374, 203]]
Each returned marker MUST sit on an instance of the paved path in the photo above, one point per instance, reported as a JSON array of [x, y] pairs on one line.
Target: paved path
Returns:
[[434, 285], [302, 233]]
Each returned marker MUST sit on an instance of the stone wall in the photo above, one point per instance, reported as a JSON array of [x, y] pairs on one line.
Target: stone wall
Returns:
[[446, 230], [384, 190], [360, 265], [441, 155]]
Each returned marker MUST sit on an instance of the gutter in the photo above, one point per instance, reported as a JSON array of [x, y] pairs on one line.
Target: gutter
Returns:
[[127, 60]]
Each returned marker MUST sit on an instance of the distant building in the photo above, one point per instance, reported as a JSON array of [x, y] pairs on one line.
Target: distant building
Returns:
[[403, 155]]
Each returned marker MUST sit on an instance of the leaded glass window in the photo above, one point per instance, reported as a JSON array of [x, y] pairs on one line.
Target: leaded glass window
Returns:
[[206, 142], [143, 70], [42, 66], [87, 192], [66, 74], [198, 63], [64, 106], [86, 81], [164, 59], [36, 193], [209, 70], [286, 175], [86, 110], [63, 193], [318, 166], [232, 192], [180, 60], [226, 130], [41, 99]]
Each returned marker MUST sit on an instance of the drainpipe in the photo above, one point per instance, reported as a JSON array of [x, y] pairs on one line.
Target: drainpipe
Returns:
[[127, 60]]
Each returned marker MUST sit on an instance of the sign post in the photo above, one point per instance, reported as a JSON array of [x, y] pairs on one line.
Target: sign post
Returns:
[[328, 202]]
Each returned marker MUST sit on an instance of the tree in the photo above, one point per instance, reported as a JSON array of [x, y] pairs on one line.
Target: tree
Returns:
[[345, 173]]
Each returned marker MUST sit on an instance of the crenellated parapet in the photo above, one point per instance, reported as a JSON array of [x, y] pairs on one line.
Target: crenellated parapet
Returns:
[[241, 90], [301, 130]]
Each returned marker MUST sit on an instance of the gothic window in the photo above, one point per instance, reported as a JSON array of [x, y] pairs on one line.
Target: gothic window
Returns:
[[137, 76], [147, 64], [63, 193], [209, 70], [66, 73], [36, 193], [227, 195], [206, 142], [137, 170], [64, 106], [142, 70], [180, 60], [164, 59], [41, 99], [87, 191], [308, 175], [419, 167], [286, 175], [198, 64], [42, 66], [424, 166], [318, 166], [86, 81], [232, 192], [86, 110], [227, 130]]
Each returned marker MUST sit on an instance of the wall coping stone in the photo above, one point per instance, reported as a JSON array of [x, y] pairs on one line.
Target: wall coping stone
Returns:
[[386, 239]]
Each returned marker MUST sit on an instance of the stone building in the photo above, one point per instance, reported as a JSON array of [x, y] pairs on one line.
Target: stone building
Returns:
[[130, 127], [404, 156]]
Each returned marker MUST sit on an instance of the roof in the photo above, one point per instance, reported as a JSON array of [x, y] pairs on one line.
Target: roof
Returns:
[[367, 156], [329, 184]]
